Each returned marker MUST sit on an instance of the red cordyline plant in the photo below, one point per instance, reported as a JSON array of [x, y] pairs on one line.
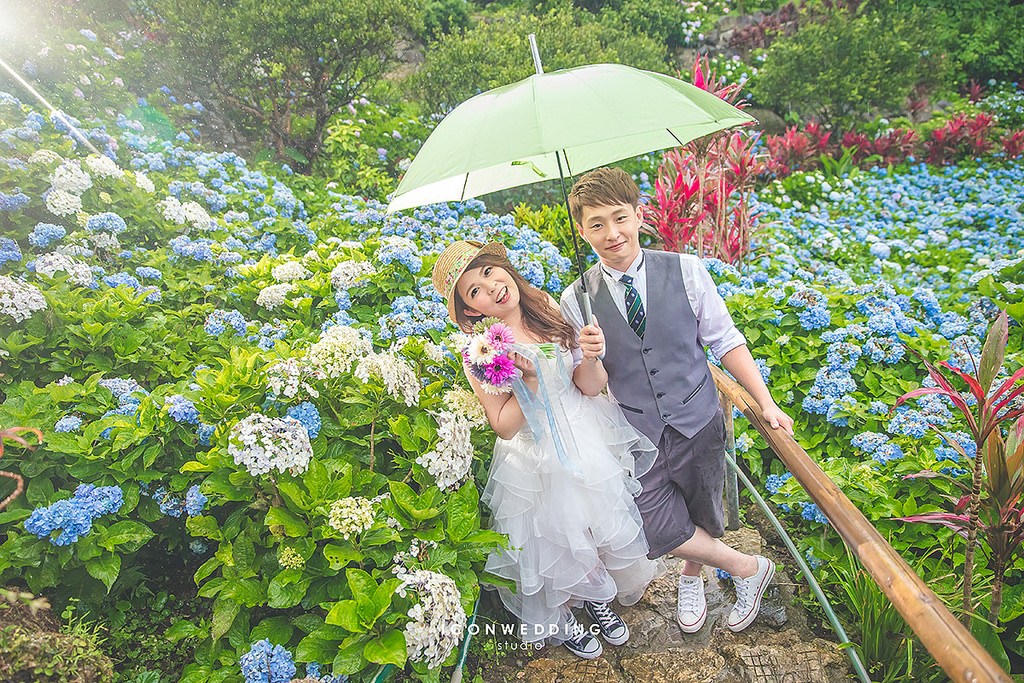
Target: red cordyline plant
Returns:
[[791, 151], [12, 434], [1013, 144], [997, 466], [702, 191]]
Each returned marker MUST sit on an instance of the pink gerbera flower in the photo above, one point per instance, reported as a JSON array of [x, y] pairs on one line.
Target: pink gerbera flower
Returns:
[[500, 371], [500, 337]]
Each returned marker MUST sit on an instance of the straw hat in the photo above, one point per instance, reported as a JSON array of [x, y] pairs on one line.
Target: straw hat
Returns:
[[452, 263]]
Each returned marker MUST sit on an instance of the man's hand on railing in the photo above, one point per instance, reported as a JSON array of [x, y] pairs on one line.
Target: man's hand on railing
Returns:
[[774, 416]]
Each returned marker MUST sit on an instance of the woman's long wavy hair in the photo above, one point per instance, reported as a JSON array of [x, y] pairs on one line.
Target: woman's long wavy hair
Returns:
[[539, 316]]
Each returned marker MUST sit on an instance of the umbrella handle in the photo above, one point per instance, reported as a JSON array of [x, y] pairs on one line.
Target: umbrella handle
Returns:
[[588, 315]]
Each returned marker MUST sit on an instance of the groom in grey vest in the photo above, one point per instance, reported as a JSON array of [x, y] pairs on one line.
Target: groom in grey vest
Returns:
[[655, 313]]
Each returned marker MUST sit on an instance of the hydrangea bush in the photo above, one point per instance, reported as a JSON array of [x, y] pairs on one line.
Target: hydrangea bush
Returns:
[[267, 393]]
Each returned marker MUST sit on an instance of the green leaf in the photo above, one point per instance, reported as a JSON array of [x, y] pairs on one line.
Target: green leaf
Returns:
[[224, 613], [278, 630], [388, 649], [204, 526], [340, 557], [463, 511], [345, 614], [106, 567], [183, 629], [312, 649], [127, 532], [292, 523], [350, 659], [284, 591], [993, 351], [361, 584]]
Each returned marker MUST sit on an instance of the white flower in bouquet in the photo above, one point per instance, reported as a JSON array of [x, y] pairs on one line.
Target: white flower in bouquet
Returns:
[[449, 462], [338, 347], [480, 350], [348, 273], [398, 376], [61, 203], [144, 183], [290, 378], [465, 403], [78, 272], [350, 516], [103, 167], [19, 300], [273, 296], [45, 157], [70, 178], [437, 620], [261, 444], [290, 270]]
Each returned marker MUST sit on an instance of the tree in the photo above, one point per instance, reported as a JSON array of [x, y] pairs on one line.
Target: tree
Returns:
[[289, 64], [496, 52], [843, 64]]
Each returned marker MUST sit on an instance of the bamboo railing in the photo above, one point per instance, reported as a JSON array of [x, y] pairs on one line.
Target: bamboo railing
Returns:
[[959, 654]]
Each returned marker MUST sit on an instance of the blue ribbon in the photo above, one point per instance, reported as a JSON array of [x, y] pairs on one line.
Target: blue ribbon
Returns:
[[533, 405]]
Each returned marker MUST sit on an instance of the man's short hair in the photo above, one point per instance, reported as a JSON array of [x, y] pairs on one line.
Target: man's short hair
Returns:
[[605, 186]]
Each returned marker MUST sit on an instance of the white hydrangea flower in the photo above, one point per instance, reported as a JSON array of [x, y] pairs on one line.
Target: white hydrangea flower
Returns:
[[105, 240], [290, 270], [466, 404], [45, 157], [70, 178], [61, 203], [449, 462], [54, 262], [19, 300], [103, 167], [197, 216], [261, 444], [438, 620], [398, 376], [350, 516], [144, 183], [348, 273], [172, 210], [338, 347], [273, 296], [290, 378]]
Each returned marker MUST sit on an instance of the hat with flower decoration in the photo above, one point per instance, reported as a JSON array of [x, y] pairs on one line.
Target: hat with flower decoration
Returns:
[[452, 263]]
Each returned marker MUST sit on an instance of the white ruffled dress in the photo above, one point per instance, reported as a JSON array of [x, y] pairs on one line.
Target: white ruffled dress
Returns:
[[566, 504]]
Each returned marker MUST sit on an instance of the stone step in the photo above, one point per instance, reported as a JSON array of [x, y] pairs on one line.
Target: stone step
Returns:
[[779, 647]]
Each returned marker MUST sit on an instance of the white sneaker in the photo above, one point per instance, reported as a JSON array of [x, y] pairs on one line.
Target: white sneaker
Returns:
[[692, 608], [748, 595], [580, 642]]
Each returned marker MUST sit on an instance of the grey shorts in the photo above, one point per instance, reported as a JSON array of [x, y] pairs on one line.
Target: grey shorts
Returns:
[[683, 490]]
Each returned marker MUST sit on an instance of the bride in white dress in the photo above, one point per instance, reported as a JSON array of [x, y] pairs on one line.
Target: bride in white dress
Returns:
[[563, 477]]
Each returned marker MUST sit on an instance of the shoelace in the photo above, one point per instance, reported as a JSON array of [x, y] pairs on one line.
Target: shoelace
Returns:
[[744, 588], [689, 595], [577, 630], [604, 615]]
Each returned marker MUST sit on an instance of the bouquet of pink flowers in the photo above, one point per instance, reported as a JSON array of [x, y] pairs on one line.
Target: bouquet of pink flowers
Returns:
[[486, 355]]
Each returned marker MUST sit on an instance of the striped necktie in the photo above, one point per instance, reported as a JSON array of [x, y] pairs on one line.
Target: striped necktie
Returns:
[[634, 307]]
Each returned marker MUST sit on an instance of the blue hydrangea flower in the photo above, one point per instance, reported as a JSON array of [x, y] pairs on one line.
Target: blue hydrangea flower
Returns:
[[308, 415], [195, 501], [73, 517], [266, 663], [68, 423], [147, 273], [106, 222], [205, 432], [181, 409], [815, 317], [9, 250]]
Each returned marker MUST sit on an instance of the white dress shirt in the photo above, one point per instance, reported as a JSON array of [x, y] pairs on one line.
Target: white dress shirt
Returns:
[[715, 328]]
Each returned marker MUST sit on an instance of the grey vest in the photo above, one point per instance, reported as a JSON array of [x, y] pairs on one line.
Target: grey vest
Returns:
[[662, 379]]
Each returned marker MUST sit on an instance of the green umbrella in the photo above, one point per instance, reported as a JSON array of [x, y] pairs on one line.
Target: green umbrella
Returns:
[[552, 124], [583, 117]]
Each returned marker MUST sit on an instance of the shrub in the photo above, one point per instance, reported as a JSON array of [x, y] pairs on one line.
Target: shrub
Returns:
[[441, 17], [837, 67], [496, 52], [662, 20]]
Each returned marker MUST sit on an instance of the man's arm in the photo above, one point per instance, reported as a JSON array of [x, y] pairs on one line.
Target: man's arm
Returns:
[[741, 365]]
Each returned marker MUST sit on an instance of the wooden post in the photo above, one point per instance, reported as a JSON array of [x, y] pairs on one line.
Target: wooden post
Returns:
[[732, 487], [954, 648]]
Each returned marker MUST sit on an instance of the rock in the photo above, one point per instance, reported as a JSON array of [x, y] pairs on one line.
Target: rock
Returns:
[[772, 124], [744, 539], [728, 23], [785, 656], [574, 671], [675, 666]]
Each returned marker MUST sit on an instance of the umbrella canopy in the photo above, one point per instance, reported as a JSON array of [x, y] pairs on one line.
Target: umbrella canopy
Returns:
[[589, 116]]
